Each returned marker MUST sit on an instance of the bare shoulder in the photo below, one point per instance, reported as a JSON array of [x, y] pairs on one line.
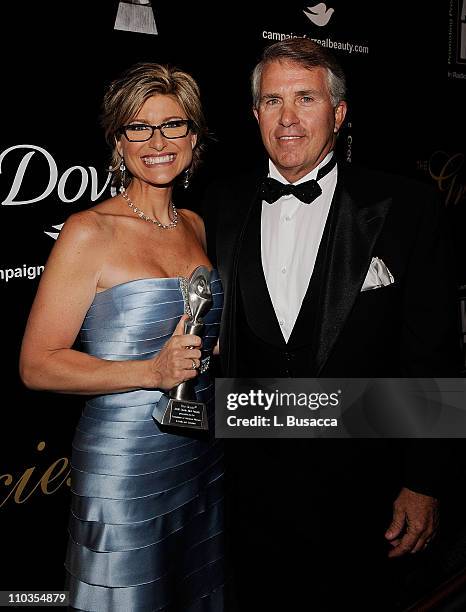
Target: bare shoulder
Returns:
[[85, 228], [88, 227], [196, 222]]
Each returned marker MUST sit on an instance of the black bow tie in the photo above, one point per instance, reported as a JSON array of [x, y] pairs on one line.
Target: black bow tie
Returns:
[[272, 190]]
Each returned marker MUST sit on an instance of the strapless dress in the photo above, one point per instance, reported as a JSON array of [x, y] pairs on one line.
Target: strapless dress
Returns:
[[146, 525]]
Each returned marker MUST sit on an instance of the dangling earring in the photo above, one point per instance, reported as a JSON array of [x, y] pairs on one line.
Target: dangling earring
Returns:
[[122, 175], [187, 176]]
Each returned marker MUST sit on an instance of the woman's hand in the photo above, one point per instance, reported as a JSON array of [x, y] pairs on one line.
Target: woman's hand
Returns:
[[178, 359]]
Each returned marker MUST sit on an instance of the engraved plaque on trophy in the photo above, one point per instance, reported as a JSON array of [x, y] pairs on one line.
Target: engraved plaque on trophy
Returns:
[[180, 409]]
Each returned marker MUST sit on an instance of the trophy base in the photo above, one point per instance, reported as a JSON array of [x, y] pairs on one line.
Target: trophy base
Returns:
[[182, 417]]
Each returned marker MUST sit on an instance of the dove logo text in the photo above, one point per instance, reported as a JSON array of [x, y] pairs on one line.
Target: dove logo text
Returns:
[[84, 177]]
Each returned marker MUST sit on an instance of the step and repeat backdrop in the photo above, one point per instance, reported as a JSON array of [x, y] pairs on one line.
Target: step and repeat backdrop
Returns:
[[406, 70]]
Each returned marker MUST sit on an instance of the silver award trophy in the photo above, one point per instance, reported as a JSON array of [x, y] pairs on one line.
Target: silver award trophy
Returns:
[[179, 409]]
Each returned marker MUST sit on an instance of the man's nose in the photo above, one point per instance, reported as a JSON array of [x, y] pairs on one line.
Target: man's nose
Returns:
[[288, 115]]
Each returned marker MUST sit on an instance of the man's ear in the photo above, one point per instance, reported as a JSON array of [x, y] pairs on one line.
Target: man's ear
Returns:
[[256, 114], [340, 114]]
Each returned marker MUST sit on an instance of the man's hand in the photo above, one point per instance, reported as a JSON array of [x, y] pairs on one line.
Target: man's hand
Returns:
[[414, 523]]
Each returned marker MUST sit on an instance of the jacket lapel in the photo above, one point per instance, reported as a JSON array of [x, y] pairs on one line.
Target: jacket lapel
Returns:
[[257, 305], [238, 204], [354, 229]]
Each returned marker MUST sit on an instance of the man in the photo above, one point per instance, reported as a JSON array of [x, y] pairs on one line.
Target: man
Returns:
[[313, 521]]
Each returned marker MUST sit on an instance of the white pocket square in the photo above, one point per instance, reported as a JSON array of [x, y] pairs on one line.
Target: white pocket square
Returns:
[[377, 276]]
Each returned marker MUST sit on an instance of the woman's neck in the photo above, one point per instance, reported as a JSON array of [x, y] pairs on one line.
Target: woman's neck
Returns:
[[153, 201]]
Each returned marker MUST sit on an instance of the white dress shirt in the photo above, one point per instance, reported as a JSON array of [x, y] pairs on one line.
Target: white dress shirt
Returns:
[[290, 237]]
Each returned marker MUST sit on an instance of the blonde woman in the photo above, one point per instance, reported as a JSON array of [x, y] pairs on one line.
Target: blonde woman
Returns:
[[146, 519]]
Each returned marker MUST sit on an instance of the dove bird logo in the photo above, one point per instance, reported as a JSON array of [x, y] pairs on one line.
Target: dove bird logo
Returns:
[[319, 14]]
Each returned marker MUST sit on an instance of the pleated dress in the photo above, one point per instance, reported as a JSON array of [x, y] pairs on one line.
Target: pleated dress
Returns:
[[146, 524]]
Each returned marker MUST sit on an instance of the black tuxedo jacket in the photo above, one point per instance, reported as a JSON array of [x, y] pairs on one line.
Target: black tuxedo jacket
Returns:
[[409, 328]]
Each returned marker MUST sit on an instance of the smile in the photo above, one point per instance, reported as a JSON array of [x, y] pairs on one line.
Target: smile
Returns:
[[289, 137], [159, 159]]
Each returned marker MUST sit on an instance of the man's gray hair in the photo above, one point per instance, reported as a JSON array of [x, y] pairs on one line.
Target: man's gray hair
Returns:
[[307, 54]]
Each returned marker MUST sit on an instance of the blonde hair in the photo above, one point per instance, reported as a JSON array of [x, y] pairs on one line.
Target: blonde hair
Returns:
[[127, 94]]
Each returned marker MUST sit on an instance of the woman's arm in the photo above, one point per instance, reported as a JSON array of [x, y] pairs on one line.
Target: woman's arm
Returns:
[[65, 293]]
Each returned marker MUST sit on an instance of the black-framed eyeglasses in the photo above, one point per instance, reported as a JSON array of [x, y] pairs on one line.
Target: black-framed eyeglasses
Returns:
[[139, 132]]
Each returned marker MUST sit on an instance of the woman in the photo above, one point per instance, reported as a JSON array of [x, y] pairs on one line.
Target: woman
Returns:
[[146, 520]]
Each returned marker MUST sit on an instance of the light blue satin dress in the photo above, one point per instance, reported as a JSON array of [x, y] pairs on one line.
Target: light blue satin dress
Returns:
[[146, 525]]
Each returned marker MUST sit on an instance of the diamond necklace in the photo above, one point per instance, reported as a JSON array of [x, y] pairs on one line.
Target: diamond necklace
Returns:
[[137, 211]]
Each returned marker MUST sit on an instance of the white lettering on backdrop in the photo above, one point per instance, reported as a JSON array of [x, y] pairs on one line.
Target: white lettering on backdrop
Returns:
[[88, 177]]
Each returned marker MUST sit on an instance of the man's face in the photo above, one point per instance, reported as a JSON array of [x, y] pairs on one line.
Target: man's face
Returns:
[[296, 118]]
